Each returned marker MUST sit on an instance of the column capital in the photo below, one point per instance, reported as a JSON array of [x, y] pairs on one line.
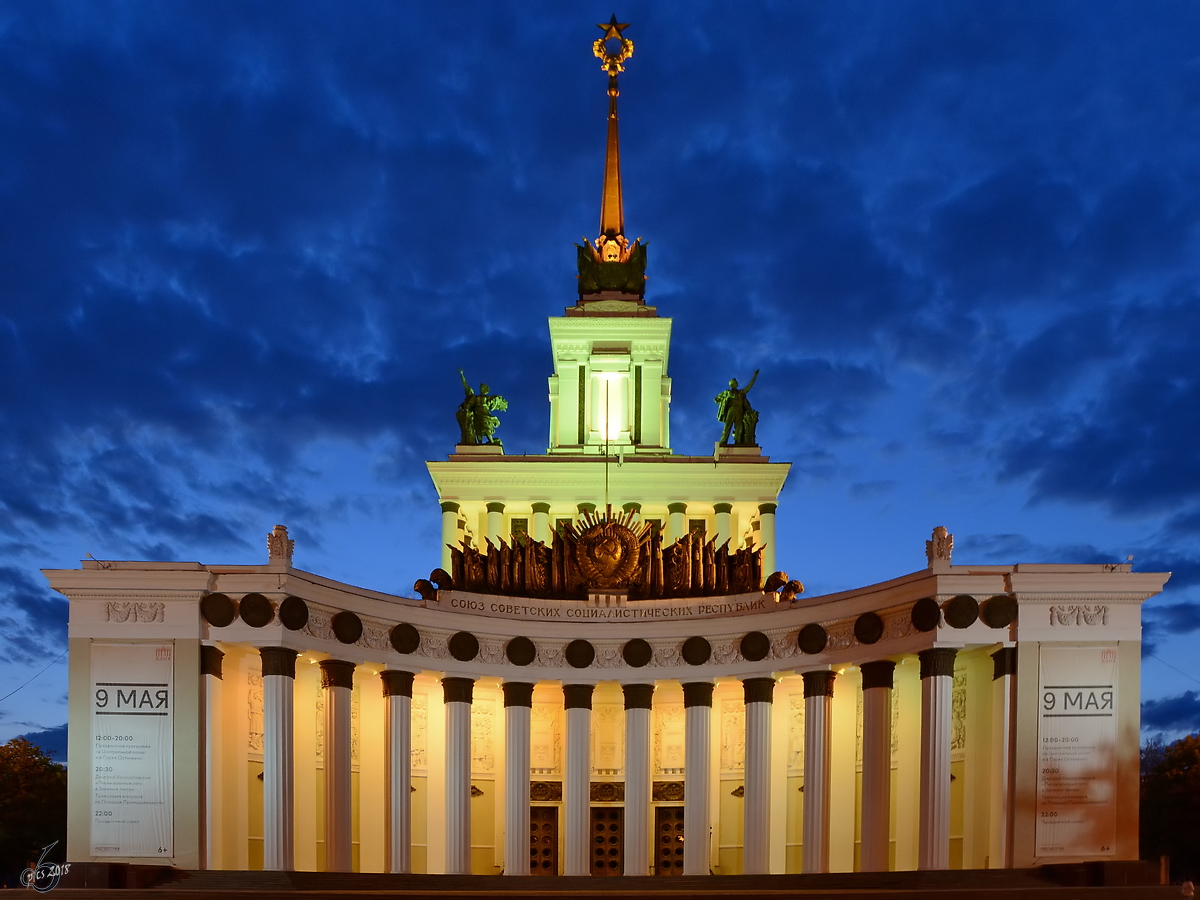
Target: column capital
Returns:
[[758, 690], [585, 508], [278, 661], [818, 684], [396, 684], [337, 673], [458, 690], [697, 693], [880, 674], [768, 509], [210, 660], [676, 507], [518, 693], [719, 508], [631, 506], [449, 506], [540, 507], [1004, 662], [495, 506], [578, 696], [937, 661], [638, 696]]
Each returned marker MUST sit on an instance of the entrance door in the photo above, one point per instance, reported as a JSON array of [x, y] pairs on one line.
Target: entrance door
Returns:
[[543, 840], [608, 840], [668, 841]]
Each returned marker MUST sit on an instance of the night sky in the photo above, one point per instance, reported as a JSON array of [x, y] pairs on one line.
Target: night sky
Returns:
[[245, 248]]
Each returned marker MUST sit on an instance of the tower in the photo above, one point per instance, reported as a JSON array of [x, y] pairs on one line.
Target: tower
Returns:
[[609, 448]]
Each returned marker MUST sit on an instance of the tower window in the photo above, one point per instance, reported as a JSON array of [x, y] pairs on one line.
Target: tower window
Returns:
[[697, 526], [519, 527]]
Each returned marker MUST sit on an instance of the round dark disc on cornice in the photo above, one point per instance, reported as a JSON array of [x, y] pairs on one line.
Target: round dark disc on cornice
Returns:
[[696, 651], [580, 654], [868, 628], [755, 646], [347, 627], [218, 610], [999, 611], [520, 651], [256, 610], [812, 639], [637, 653], [293, 613], [926, 614], [405, 638], [961, 611], [463, 646]]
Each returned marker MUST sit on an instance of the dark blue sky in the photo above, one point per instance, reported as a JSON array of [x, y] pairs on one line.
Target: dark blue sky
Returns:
[[245, 247]]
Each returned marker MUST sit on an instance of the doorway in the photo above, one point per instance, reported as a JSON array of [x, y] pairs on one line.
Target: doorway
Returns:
[[608, 840], [668, 840], [543, 840]]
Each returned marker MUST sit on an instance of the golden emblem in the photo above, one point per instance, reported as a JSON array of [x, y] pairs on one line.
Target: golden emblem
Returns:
[[607, 554]]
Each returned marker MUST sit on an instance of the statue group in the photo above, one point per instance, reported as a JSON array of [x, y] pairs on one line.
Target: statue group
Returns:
[[475, 419], [736, 413]]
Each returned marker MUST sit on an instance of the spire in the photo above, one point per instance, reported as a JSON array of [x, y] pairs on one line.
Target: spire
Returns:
[[610, 264], [613, 50]]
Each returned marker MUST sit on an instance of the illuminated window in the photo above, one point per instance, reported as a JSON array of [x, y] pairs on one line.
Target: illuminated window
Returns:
[[610, 404]]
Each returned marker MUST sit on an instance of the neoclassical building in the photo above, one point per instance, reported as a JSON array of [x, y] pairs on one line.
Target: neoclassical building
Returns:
[[606, 672]]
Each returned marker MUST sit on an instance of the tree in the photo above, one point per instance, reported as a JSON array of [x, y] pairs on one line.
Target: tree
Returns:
[[33, 807], [1171, 804]]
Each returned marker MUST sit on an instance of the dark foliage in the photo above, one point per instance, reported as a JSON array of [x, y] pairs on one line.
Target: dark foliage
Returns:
[[1170, 808], [33, 808]]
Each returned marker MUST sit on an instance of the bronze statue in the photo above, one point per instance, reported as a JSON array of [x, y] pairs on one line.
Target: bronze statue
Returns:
[[474, 414], [735, 411]]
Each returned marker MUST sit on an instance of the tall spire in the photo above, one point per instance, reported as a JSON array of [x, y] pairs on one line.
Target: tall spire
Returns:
[[613, 50]]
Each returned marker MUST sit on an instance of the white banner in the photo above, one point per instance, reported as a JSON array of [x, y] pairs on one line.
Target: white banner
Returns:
[[1077, 752], [132, 769]]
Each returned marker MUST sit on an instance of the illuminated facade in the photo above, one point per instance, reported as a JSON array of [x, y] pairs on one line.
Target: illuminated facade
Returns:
[[605, 675]]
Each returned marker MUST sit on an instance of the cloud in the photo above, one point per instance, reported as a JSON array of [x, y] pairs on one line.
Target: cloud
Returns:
[[1178, 713]]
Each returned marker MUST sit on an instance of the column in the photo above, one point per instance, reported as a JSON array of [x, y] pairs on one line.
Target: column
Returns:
[[724, 526], [397, 729], [458, 693], [577, 699], [337, 680], [818, 733], [638, 698], [541, 522], [756, 830], [279, 769], [1004, 705], [937, 693], [585, 508], [876, 763], [449, 531], [632, 507], [766, 536], [495, 522], [676, 526], [697, 767], [518, 709], [210, 668]]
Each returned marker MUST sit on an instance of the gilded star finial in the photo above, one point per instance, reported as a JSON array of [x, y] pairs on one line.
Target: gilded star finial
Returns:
[[613, 62]]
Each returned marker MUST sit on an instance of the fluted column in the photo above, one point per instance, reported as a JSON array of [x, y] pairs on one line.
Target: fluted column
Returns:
[[577, 699], [756, 853], [638, 700], [449, 531], [457, 694], [518, 709], [211, 660], [937, 695], [697, 768], [337, 681], [1004, 704], [766, 535], [541, 522], [676, 526], [724, 522], [818, 734], [495, 522], [279, 768], [877, 763], [397, 778]]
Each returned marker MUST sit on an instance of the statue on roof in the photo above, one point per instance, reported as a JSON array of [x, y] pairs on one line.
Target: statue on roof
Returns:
[[474, 415], [739, 417]]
